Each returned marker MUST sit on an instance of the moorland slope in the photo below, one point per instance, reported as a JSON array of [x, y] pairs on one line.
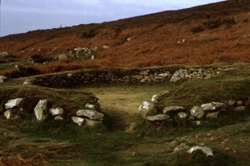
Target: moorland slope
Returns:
[[214, 33]]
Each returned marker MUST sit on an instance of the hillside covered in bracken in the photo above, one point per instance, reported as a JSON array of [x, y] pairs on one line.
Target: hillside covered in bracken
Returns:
[[214, 33]]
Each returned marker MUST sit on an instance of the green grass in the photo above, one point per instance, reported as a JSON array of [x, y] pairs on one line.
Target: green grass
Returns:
[[108, 144]]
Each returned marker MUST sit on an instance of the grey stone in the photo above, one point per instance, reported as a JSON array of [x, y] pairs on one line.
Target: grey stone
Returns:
[[147, 108], [158, 117], [170, 110], [208, 107], [90, 106], [62, 56], [240, 103], [231, 102], [78, 120], [179, 74], [28, 82], [91, 114], [197, 122], [56, 111], [181, 147], [197, 112], [7, 114], [69, 75], [92, 123], [58, 117], [4, 54], [2, 78], [207, 151], [13, 103], [240, 108], [182, 115], [212, 115], [220, 106], [159, 97], [40, 109]]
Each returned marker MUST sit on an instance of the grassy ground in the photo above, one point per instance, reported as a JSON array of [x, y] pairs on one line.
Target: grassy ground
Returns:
[[55, 143]]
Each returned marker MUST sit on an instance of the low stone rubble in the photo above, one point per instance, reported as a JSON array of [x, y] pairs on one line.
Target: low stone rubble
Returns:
[[156, 111], [89, 115]]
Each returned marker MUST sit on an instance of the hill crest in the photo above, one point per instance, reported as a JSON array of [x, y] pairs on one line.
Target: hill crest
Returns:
[[185, 36]]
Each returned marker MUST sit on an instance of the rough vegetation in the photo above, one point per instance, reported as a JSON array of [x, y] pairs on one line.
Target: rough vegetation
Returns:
[[211, 37]]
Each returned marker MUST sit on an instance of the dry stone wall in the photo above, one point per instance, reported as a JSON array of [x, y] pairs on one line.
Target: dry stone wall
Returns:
[[155, 111], [90, 76], [89, 115]]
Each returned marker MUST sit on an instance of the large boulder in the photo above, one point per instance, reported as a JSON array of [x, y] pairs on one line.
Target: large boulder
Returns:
[[40, 109], [147, 108], [197, 112], [91, 114], [13, 103]]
